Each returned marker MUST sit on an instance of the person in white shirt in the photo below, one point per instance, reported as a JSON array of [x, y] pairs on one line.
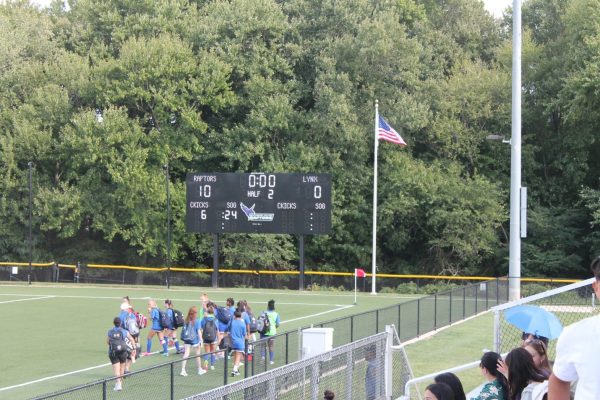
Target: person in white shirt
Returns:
[[578, 356]]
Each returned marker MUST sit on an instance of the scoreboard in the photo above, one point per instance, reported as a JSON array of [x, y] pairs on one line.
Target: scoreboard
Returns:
[[258, 203]]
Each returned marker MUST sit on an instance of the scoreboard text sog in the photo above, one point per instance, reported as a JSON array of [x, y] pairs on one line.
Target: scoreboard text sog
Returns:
[[258, 203]]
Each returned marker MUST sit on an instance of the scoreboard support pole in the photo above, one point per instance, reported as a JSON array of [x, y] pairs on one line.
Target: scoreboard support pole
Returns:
[[215, 274], [301, 263]]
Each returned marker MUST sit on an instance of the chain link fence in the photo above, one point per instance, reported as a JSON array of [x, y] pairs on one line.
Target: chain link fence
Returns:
[[569, 303]]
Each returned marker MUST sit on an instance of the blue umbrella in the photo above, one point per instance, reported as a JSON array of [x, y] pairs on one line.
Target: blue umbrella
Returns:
[[534, 320]]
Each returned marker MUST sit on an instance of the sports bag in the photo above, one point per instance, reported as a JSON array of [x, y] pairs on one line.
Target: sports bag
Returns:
[[223, 314], [132, 326], [141, 319], [263, 325], [189, 334], [116, 341], [163, 319], [225, 343], [209, 332], [178, 320], [253, 324]]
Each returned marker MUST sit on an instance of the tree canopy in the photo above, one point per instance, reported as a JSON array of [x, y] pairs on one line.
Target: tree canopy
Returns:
[[101, 95]]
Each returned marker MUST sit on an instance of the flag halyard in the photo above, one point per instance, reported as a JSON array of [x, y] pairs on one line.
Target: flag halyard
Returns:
[[387, 133]]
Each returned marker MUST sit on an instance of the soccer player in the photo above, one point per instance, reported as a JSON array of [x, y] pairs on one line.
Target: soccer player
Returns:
[[171, 330], [191, 335], [274, 324], [238, 334], [118, 350], [210, 333], [156, 329]]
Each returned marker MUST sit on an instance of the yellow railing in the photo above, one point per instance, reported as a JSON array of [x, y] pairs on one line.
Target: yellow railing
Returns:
[[271, 272]]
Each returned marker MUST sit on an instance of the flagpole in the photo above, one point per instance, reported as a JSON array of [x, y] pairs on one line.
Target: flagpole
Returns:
[[355, 274], [374, 250]]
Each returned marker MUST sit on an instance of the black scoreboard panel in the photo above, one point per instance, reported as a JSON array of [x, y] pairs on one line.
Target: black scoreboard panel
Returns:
[[258, 203]]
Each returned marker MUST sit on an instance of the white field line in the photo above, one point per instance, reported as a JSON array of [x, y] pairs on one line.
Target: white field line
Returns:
[[145, 298], [108, 364], [218, 291], [27, 299]]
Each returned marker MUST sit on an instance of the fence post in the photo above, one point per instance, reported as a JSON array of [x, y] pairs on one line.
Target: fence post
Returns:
[[435, 312], [476, 299], [287, 342], [351, 328], [104, 389], [418, 316], [497, 291], [225, 364], [172, 378], [464, 302], [399, 321], [487, 306], [376, 321], [248, 356], [450, 309]]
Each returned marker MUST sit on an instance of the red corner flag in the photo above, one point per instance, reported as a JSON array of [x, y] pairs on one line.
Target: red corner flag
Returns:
[[359, 272], [386, 132]]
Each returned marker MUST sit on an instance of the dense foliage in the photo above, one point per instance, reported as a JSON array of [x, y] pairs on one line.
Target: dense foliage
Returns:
[[101, 95]]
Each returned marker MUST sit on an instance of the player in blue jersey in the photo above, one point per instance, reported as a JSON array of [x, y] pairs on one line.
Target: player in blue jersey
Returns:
[[192, 339], [155, 330], [118, 341], [238, 334], [209, 328], [171, 330]]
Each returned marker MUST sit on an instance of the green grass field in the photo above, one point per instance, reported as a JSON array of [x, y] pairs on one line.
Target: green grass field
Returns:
[[55, 335]]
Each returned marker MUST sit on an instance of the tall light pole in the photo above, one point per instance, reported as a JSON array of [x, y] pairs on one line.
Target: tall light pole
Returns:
[[29, 240], [167, 179], [514, 255]]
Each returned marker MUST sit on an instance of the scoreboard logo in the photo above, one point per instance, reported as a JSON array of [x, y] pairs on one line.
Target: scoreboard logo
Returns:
[[253, 216]]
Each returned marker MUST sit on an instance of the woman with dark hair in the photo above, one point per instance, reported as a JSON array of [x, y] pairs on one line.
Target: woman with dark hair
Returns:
[[525, 381], [496, 387], [438, 391], [452, 380], [539, 351]]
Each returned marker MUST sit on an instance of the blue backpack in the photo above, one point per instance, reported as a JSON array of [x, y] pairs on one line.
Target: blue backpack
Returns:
[[223, 315], [189, 334]]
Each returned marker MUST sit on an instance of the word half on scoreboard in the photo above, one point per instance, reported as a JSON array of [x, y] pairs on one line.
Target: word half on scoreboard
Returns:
[[258, 203]]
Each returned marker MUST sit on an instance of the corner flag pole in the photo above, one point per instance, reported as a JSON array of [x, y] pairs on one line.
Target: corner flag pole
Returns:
[[374, 251]]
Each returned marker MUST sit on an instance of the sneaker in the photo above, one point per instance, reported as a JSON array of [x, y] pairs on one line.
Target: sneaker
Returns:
[[201, 371], [180, 351], [165, 354], [212, 367], [117, 387], [235, 373], [183, 373], [271, 362], [146, 354]]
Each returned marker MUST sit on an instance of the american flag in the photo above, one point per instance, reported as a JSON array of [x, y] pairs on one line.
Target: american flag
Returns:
[[386, 132]]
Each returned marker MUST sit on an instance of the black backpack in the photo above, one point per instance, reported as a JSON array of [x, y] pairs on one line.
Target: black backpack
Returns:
[[253, 324], [178, 320], [116, 341], [209, 332], [163, 318], [224, 314]]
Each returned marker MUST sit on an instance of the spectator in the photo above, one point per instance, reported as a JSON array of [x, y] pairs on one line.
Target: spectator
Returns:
[[577, 355], [532, 336], [452, 380], [438, 391], [525, 381], [238, 334], [496, 387], [192, 323], [538, 350], [328, 395], [274, 321], [118, 350]]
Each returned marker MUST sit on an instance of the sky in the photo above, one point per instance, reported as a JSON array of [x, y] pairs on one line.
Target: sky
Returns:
[[493, 6], [497, 6]]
